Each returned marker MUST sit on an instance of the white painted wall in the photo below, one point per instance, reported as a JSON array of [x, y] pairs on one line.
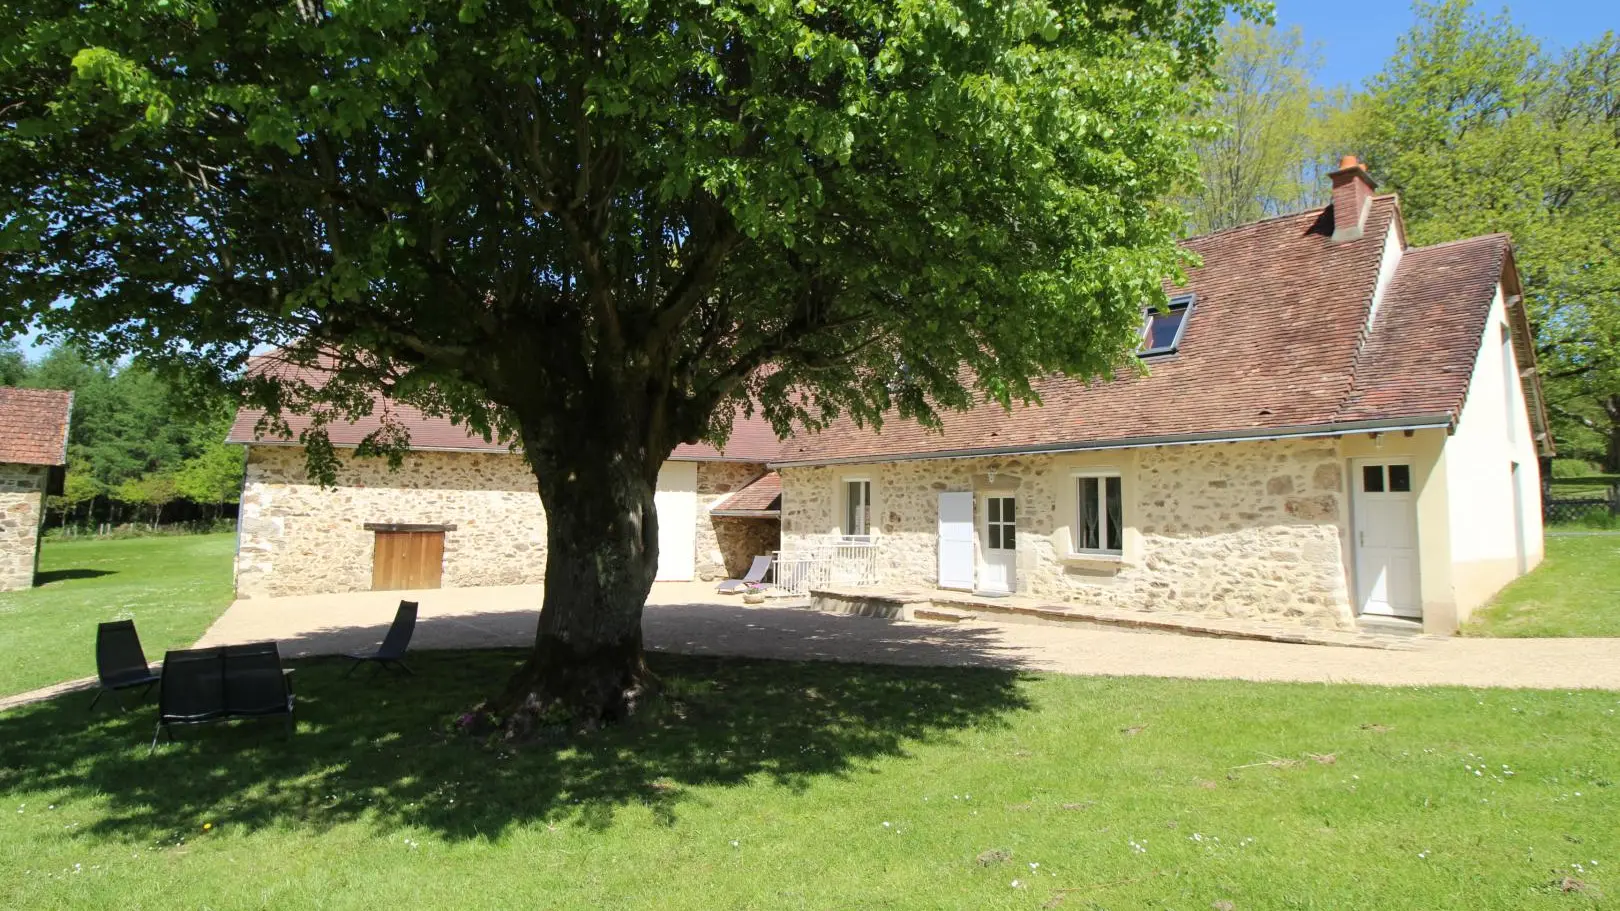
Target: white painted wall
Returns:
[[1492, 434], [1388, 261], [676, 501]]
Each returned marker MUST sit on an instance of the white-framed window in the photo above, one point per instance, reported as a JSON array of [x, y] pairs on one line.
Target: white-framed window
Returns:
[[1001, 522], [857, 507], [1162, 329], [1099, 525]]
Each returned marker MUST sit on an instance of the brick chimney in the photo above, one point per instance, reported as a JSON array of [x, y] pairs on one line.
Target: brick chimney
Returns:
[[1352, 192]]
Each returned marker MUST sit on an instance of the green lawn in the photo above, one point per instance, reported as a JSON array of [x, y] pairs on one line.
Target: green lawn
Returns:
[[1574, 592], [172, 587], [1588, 485], [803, 785]]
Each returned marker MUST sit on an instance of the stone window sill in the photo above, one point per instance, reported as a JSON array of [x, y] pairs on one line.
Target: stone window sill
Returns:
[[1101, 561]]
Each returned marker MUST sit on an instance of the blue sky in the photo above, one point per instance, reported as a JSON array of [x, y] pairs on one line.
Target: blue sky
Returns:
[[1356, 37]]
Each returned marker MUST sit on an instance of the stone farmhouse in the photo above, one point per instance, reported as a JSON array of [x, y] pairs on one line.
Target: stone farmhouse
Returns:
[[1330, 424], [33, 464]]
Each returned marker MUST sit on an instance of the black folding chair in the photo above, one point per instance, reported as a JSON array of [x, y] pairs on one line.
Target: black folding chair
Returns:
[[192, 691], [120, 662], [391, 653]]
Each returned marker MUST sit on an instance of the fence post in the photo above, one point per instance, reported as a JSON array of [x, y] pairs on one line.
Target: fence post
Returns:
[[1614, 499]]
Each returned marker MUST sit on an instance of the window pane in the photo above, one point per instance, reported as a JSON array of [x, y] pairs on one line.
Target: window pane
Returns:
[[1115, 536], [1400, 478], [1372, 478], [1009, 510], [1085, 537], [1162, 328], [995, 509], [1009, 537], [994, 529]]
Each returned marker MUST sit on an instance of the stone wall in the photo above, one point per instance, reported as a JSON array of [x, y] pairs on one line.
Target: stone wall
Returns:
[[741, 539], [1243, 530], [22, 496], [726, 544], [296, 538], [1239, 529], [905, 506]]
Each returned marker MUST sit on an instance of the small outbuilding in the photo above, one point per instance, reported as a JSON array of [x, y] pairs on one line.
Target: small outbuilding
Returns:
[[33, 464]]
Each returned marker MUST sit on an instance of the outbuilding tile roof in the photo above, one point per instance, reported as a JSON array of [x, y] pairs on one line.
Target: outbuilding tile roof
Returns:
[[34, 425], [752, 439], [762, 496]]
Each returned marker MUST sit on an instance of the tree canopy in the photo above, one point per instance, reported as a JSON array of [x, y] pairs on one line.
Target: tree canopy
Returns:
[[445, 191], [599, 227]]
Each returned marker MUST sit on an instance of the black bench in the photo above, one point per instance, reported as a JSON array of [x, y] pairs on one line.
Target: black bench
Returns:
[[232, 681]]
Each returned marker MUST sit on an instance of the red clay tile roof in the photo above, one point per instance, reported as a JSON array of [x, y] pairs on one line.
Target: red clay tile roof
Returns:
[[752, 439], [762, 496], [1277, 342], [1270, 342], [1425, 338], [34, 425]]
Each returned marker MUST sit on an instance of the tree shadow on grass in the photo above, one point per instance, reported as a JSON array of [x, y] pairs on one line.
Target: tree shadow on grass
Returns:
[[382, 751], [50, 576]]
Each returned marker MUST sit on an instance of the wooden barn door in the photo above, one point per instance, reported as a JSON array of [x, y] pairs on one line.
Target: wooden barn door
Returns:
[[407, 560]]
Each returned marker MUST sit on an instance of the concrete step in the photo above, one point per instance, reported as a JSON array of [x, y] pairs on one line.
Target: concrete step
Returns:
[[1019, 611], [941, 606], [942, 614], [1389, 626]]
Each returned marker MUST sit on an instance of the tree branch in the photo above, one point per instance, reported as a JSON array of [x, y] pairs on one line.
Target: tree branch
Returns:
[[695, 283]]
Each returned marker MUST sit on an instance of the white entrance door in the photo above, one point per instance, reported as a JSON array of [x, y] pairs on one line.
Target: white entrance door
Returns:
[[1385, 538], [956, 540], [998, 548], [676, 502]]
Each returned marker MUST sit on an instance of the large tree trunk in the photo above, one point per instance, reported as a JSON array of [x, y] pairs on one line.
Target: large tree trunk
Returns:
[[602, 554], [1611, 455]]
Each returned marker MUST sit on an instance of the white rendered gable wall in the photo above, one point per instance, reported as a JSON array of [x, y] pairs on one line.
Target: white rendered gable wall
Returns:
[[1479, 458]]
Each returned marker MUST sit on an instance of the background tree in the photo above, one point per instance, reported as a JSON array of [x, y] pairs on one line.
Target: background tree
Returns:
[[79, 493], [1267, 148], [124, 421], [130, 424], [596, 228], [149, 494], [1480, 131], [1576, 286], [214, 475], [13, 366]]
